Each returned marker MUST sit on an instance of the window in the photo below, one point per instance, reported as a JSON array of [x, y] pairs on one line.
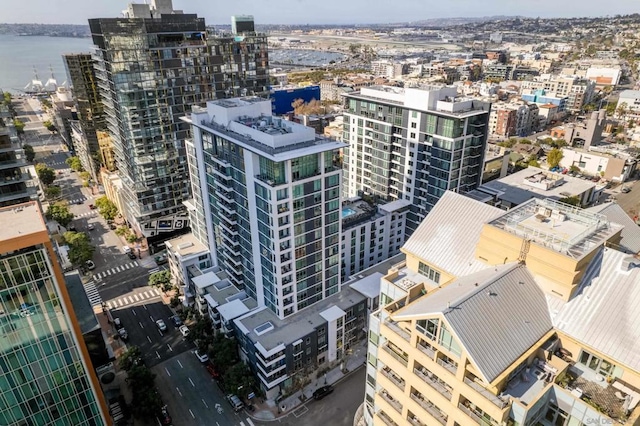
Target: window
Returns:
[[599, 365], [428, 327], [429, 272], [448, 341]]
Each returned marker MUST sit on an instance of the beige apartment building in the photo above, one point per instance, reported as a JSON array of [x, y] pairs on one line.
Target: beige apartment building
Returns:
[[525, 317]]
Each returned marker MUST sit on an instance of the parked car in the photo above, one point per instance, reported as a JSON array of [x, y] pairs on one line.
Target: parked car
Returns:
[[126, 249], [131, 255], [90, 264], [163, 417], [79, 202], [184, 330], [123, 334], [117, 322], [322, 392], [112, 227], [161, 325], [625, 189], [92, 207], [235, 402], [91, 227], [202, 357], [211, 369], [176, 321]]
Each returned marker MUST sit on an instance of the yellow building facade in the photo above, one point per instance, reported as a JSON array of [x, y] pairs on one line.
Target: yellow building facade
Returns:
[[507, 318]]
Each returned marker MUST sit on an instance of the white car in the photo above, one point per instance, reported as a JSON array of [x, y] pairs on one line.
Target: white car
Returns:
[[161, 325], [91, 227], [202, 357], [90, 264], [184, 330], [126, 249]]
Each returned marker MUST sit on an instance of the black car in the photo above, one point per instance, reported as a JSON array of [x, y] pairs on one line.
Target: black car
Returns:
[[177, 322], [132, 255], [322, 392]]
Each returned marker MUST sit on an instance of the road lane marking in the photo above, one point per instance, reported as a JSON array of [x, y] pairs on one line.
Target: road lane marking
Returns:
[[157, 354], [191, 381], [205, 403], [149, 339], [179, 363], [141, 326], [178, 391], [151, 318], [145, 307], [160, 333], [170, 348], [250, 422], [191, 412], [133, 312], [168, 374]]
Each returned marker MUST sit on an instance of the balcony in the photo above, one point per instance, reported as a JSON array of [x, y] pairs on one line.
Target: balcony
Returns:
[[402, 360], [431, 381], [414, 420], [486, 393], [386, 419], [469, 412], [389, 374], [430, 408], [450, 367], [426, 349], [398, 330], [395, 404], [268, 180]]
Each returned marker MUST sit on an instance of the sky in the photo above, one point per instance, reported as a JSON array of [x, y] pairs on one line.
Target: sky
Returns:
[[315, 11]]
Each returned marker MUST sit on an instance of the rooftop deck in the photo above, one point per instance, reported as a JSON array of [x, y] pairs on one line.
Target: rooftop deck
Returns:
[[561, 227]]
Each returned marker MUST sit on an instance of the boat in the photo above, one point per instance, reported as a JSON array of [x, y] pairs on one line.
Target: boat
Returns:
[[36, 87]]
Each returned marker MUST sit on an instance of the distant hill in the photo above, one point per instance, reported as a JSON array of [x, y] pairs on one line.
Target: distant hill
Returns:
[[50, 30], [450, 22]]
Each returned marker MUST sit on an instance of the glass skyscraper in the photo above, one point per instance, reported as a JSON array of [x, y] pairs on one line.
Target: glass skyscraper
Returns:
[[152, 67], [46, 377]]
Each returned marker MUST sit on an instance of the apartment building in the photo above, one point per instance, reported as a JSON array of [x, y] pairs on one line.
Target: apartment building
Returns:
[[617, 167], [272, 190], [629, 100], [498, 318], [584, 133], [370, 233], [513, 119], [47, 376], [388, 69], [90, 139], [152, 66], [413, 144], [16, 185], [579, 91]]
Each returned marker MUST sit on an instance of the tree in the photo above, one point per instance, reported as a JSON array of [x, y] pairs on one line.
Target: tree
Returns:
[[29, 153], [131, 238], [224, 353], [573, 200], [60, 213], [85, 175], [621, 110], [49, 125], [145, 401], [46, 174], [7, 98], [312, 107], [121, 231], [534, 162], [239, 379], [74, 163], [161, 280], [132, 356], [19, 125], [554, 157], [80, 248], [106, 208], [52, 192]]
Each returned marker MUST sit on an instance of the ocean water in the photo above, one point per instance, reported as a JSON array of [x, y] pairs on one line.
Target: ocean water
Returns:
[[19, 56]]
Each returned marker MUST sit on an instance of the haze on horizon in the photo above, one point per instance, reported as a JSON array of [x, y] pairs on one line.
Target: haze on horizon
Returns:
[[301, 12]]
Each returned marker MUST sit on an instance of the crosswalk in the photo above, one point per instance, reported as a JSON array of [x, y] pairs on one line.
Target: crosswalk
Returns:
[[91, 213], [115, 270], [92, 294], [58, 163], [138, 297], [249, 422]]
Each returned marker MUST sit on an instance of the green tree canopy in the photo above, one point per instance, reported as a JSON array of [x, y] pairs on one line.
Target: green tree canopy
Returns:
[[129, 358], [223, 353], [60, 213], [7, 98], [238, 379], [52, 192], [554, 157], [49, 125], [161, 280], [46, 174], [534, 162], [19, 125], [80, 247], [29, 153], [106, 208], [573, 200], [146, 402], [74, 163]]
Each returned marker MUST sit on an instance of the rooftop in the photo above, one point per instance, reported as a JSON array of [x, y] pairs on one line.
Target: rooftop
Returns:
[[185, 245], [561, 227], [630, 235], [534, 182], [81, 305], [25, 219]]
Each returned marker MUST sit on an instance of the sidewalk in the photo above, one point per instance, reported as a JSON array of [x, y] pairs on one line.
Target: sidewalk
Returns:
[[269, 410]]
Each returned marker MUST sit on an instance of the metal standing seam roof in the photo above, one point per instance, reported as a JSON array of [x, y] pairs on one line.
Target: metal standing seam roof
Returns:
[[605, 313], [496, 314], [448, 236], [630, 241]]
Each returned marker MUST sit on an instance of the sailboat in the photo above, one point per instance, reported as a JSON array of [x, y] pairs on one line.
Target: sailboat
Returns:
[[35, 86], [52, 84]]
